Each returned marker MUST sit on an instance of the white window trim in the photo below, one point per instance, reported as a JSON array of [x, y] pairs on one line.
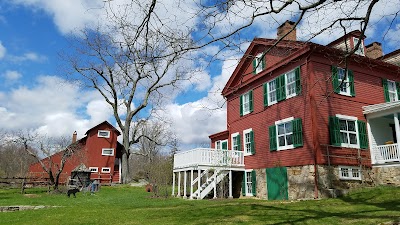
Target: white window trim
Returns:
[[232, 142], [395, 89], [220, 143], [251, 180], [259, 67], [107, 131], [350, 168], [106, 168], [277, 140], [347, 93], [245, 153], [358, 51], [243, 102], [287, 85], [269, 100], [217, 145], [103, 149], [356, 125], [94, 169]]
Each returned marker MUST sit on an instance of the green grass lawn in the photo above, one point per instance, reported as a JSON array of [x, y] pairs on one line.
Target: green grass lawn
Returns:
[[132, 205]]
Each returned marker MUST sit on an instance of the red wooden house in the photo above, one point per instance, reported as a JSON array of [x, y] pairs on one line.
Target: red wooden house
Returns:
[[305, 122], [99, 151]]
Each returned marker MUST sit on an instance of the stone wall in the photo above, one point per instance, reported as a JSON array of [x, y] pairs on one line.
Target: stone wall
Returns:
[[301, 182], [389, 175], [261, 187]]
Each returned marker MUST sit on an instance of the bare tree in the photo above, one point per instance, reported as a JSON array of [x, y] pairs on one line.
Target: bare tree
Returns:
[[14, 160], [50, 154], [132, 62]]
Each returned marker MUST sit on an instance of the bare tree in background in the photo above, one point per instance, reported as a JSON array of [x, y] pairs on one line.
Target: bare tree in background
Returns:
[[133, 61], [51, 154], [14, 160]]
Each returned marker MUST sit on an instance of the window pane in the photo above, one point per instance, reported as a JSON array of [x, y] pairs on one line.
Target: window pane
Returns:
[[340, 73], [351, 125], [343, 125], [291, 77], [281, 129], [344, 137], [353, 138], [272, 85], [355, 172], [392, 96], [281, 140], [345, 172], [289, 127], [289, 139]]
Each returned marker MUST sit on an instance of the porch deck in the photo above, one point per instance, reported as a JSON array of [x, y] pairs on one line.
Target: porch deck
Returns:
[[386, 153], [208, 158]]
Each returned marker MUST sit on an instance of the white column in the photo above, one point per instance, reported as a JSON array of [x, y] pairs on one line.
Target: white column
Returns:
[[371, 146], [199, 181], [215, 184], [397, 127], [230, 184], [173, 183], [184, 185], [191, 185], [179, 184]]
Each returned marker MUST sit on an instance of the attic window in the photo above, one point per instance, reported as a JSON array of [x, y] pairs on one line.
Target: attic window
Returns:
[[94, 169], [103, 133], [107, 151], [105, 169], [360, 50], [258, 63]]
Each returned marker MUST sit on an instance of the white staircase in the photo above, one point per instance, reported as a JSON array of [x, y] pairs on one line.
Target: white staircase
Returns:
[[209, 184]]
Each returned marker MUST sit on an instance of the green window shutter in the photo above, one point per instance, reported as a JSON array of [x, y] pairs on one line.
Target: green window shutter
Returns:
[[265, 87], [280, 88], [253, 182], [398, 90], [386, 90], [253, 147], [238, 142], [298, 81], [350, 74], [251, 100], [297, 133], [273, 145], [244, 184], [254, 65], [335, 81], [224, 145], [334, 131], [362, 134], [263, 62], [241, 105]]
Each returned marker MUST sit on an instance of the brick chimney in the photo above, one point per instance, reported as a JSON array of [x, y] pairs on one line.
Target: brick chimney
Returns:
[[284, 29], [74, 135], [374, 50]]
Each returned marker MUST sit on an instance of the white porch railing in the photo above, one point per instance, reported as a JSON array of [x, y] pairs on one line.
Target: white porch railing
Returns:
[[387, 153], [209, 157]]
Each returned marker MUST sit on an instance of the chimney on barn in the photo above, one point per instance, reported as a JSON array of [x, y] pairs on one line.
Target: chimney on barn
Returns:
[[374, 50], [74, 135], [285, 28]]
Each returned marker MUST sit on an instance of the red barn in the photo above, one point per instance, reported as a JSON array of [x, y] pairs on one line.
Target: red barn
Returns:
[[99, 151], [307, 122]]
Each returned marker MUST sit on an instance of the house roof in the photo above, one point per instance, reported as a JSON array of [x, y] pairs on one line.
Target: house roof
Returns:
[[225, 132], [380, 107], [107, 123], [354, 33]]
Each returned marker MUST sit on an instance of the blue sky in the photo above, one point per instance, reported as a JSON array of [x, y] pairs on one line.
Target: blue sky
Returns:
[[35, 95]]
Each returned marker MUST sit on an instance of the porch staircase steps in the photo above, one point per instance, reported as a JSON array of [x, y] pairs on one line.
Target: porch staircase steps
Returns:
[[209, 184], [115, 177]]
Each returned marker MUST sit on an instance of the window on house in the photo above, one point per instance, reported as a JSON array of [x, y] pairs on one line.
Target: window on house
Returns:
[[248, 142], [343, 84], [107, 151], [103, 133], [360, 49], [218, 145], [347, 131], [106, 170], [249, 183], [222, 144], [349, 173], [236, 142], [258, 63], [286, 134], [283, 87], [94, 169], [246, 103], [391, 91]]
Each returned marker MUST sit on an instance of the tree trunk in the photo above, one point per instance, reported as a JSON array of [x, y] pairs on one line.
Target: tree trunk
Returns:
[[125, 176]]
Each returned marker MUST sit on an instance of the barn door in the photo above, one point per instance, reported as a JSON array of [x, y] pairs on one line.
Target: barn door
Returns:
[[277, 183]]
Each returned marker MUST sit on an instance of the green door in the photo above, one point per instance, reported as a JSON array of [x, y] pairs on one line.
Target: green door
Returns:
[[277, 183]]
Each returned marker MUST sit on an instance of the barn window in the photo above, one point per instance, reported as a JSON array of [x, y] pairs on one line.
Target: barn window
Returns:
[[106, 170], [107, 151], [94, 169], [103, 133]]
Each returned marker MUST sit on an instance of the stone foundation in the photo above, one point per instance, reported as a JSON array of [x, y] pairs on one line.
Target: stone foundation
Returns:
[[388, 175]]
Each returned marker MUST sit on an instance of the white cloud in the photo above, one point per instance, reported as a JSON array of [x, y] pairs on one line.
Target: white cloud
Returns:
[[12, 76], [29, 56], [2, 51]]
